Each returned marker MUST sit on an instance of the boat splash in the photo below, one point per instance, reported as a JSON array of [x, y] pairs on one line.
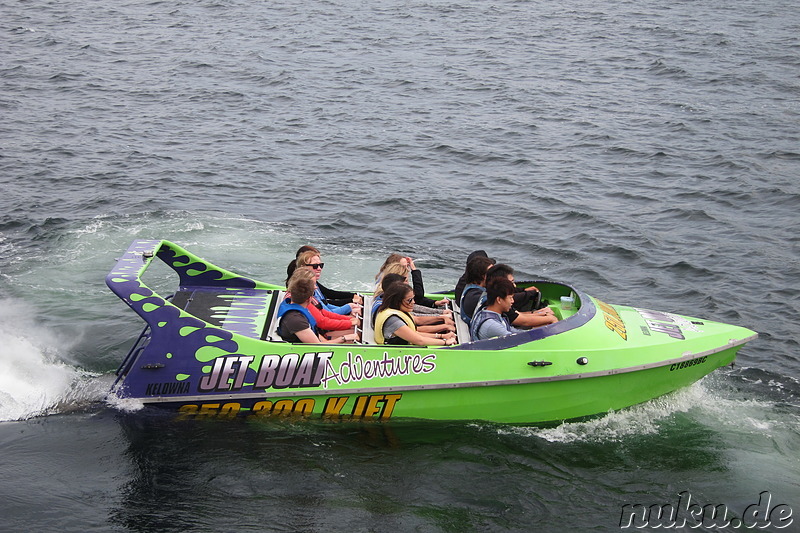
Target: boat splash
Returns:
[[33, 380]]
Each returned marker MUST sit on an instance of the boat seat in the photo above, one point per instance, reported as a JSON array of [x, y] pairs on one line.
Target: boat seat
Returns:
[[271, 329], [368, 328], [271, 332], [462, 328]]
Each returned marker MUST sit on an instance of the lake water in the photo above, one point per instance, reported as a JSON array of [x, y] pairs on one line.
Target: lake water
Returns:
[[647, 152]]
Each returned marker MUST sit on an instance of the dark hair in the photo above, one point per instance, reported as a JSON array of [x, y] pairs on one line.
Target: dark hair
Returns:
[[498, 288], [500, 270], [476, 253], [388, 279], [476, 269], [293, 265], [394, 294]]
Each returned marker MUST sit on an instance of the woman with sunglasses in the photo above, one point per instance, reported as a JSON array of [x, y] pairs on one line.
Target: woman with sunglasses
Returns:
[[312, 261], [424, 323], [395, 325], [331, 295]]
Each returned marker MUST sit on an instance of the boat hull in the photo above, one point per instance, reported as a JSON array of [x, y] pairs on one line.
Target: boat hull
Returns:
[[208, 352], [519, 401]]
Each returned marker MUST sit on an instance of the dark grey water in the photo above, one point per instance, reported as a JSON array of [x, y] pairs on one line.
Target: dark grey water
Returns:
[[646, 152]]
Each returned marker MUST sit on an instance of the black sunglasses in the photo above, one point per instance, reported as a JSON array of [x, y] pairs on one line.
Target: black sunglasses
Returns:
[[315, 265]]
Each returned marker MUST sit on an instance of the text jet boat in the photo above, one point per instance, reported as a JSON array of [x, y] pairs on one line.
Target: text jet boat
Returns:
[[211, 351]]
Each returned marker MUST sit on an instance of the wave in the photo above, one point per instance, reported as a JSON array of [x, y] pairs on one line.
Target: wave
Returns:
[[34, 381], [717, 402]]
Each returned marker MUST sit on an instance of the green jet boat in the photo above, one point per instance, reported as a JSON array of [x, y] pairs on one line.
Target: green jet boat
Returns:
[[210, 350]]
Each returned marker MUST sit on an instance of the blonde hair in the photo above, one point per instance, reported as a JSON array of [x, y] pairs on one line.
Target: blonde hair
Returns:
[[293, 263], [394, 268], [306, 248], [305, 257], [301, 285], [392, 259]]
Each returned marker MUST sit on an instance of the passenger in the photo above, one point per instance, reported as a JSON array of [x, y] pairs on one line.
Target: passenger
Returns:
[[425, 323], [332, 296], [392, 259], [526, 298], [395, 325], [421, 301], [293, 263], [329, 323], [490, 321], [475, 288], [312, 261], [435, 315], [462, 281], [296, 323], [388, 279], [332, 324], [419, 289]]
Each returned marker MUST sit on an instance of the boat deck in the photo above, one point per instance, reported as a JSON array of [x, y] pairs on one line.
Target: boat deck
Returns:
[[253, 312], [248, 312]]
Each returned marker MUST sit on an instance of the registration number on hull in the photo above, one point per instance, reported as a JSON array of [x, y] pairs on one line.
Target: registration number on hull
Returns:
[[687, 364]]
